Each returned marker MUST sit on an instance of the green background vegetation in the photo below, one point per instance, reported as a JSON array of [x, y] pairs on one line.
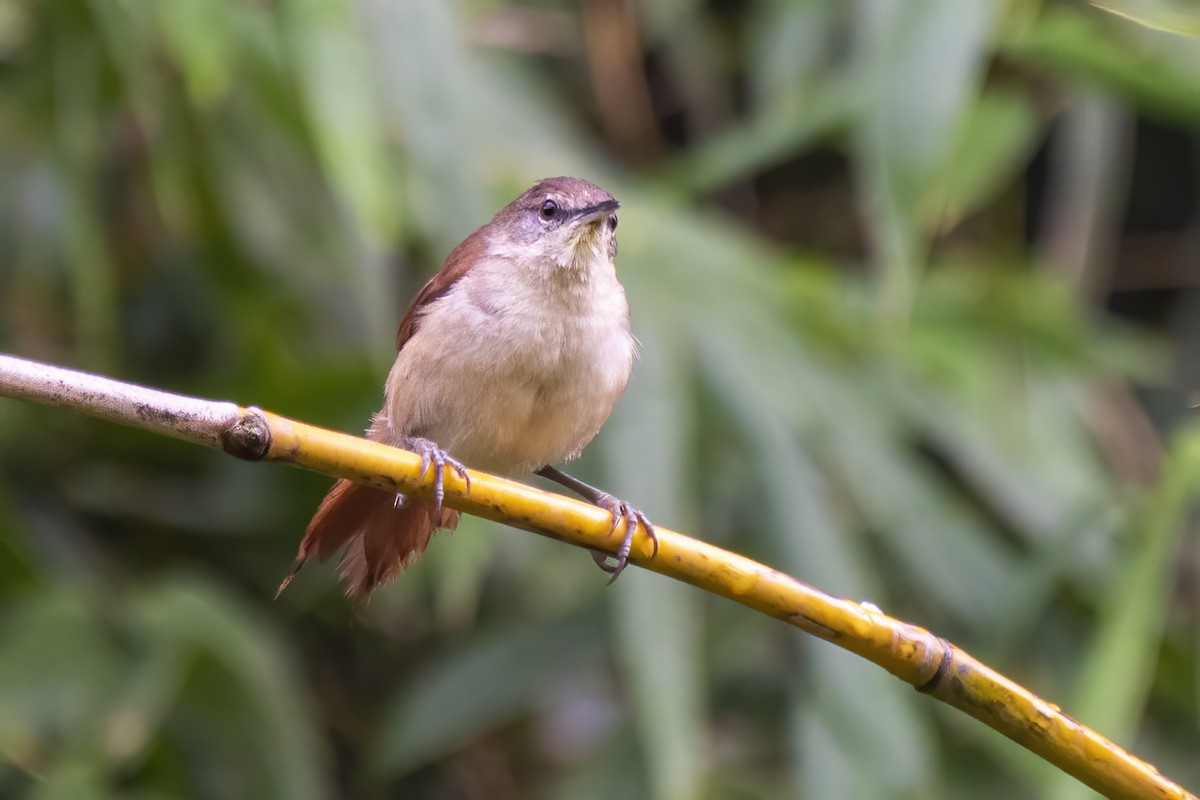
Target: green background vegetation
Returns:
[[895, 267]]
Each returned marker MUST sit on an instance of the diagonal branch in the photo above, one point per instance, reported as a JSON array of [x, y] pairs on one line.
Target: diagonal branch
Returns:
[[930, 664]]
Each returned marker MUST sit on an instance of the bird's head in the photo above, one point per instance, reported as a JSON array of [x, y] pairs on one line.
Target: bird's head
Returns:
[[569, 223]]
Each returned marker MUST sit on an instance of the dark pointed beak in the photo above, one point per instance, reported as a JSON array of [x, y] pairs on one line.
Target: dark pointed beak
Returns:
[[598, 211]]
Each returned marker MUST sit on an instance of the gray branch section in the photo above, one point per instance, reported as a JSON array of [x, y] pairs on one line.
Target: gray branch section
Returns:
[[203, 422]]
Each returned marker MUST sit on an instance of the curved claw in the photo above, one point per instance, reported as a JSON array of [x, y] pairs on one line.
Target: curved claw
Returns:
[[436, 457], [601, 560], [632, 517]]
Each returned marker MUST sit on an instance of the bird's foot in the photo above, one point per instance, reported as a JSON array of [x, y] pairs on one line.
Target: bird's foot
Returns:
[[622, 510], [437, 458]]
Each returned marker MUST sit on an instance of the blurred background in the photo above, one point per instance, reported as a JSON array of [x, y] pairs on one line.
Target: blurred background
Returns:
[[918, 288]]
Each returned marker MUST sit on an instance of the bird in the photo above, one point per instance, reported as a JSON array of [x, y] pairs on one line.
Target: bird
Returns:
[[509, 360]]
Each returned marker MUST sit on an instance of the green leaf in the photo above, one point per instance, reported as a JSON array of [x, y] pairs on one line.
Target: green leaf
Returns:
[[498, 677], [202, 37], [847, 714], [334, 74], [1171, 16], [1154, 72], [774, 134], [46, 702], [920, 63], [1118, 672], [790, 43], [999, 132], [275, 719]]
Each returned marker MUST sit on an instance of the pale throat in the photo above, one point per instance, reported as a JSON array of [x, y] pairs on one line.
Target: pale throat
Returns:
[[585, 257], [575, 265]]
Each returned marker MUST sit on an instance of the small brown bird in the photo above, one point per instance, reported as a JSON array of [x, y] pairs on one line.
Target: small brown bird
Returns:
[[510, 359]]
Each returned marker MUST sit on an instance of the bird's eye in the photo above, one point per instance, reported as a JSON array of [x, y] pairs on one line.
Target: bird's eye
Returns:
[[549, 209], [612, 222]]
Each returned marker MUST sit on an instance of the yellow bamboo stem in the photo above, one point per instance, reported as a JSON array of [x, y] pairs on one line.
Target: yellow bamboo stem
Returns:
[[930, 664], [914, 655]]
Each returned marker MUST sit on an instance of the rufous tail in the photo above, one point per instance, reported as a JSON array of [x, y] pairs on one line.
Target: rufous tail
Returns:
[[381, 536]]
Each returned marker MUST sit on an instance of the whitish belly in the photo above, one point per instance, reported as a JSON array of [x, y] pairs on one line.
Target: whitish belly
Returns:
[[511, 399]]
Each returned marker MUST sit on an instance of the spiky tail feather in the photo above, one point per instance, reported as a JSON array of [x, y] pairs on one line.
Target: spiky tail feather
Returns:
[[381, 537]]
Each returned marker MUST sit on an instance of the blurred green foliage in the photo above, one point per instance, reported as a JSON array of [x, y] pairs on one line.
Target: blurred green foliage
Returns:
[[866, 245]]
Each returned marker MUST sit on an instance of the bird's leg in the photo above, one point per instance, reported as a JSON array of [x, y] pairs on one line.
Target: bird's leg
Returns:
[[434, 456], [619, 509]]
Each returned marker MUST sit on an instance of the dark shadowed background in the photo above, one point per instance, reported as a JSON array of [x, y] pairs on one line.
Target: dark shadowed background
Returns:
[[918, 289]]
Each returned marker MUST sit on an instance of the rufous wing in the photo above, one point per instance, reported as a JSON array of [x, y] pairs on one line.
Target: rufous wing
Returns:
[[380, 536]]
